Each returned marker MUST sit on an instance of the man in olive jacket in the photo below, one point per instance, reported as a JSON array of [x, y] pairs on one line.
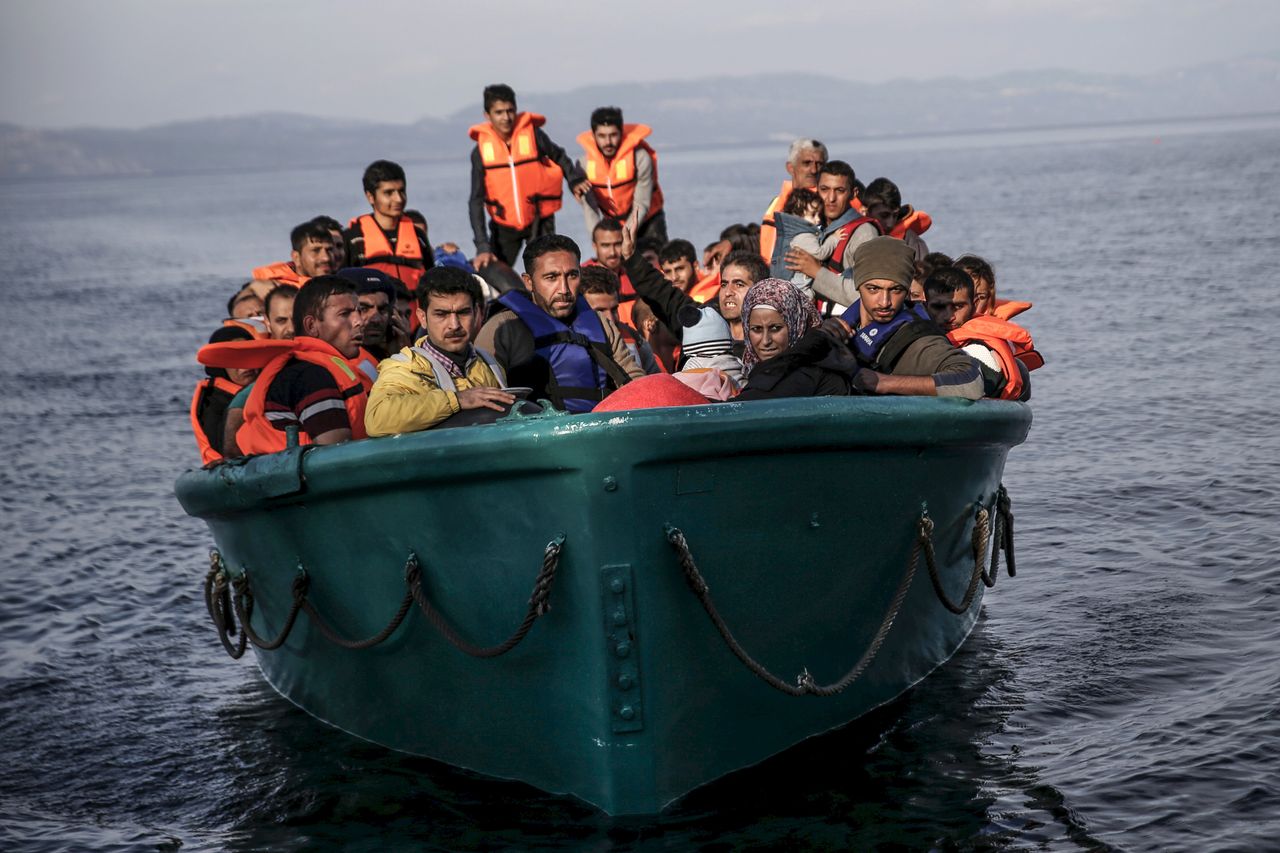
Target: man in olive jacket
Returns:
[[899, 349]]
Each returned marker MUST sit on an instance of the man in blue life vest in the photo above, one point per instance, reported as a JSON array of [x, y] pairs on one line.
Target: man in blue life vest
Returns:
[[899, 349], [550, 339]]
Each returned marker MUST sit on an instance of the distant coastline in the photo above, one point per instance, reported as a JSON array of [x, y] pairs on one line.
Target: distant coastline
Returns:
[[711, 114]]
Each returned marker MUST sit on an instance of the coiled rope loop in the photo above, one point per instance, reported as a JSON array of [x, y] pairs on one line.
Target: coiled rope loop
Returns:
[[1002, 541], [226, 609], [804, 684]]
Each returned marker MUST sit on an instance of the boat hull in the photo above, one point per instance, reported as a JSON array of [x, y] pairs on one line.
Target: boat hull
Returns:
[[801, 516]]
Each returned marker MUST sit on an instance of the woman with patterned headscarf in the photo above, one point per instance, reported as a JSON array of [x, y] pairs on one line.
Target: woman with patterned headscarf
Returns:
[[787, 352]]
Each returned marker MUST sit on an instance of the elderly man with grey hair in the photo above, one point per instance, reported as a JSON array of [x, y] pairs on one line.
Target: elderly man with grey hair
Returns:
[[805, 159]]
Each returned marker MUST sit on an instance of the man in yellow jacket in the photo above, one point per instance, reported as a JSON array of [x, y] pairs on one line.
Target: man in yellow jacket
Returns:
[[443, 373]]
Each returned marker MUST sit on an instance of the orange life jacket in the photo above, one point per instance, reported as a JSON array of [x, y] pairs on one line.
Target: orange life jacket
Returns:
[[769, 231], [915, 220], [404, 262], [208, 453], [614, 181], [257, 435], [281, 273], [706, 288], [253, 325], [1007, 309], [520, 187], [836, 261], [1010, 342]]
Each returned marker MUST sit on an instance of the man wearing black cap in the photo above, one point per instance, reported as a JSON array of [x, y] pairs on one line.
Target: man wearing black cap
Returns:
[[899, 349], [376, 298]]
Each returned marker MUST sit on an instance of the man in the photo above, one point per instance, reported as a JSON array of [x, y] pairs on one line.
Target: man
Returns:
[[984, 290], [442, 374], [549, 338], [516, 172], [279, 317], [650, 247], [606, 239], [339, 242], [309, 382], [899, 349], [279, 312], [1004, 350], [623, 171], [213, 395], [679, 263], [386, 239], [600, 288], [883, 201], [375, 295], [804, 159], [313, 254], [689, 320], [833, 281]]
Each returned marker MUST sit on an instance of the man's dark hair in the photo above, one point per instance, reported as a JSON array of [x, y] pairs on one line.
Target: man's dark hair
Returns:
[[380, 171], [308, 231], [547, 243], [840, 169], [677, 249], [947, 280], [313, 295], [279, 290], [606, 224], [598, 279], [749, 260], [977, 268], [401, 289], [606, 115], [498, 92], [882, 191], [328, 222], [241, 293], [742, 238], [446, 281], [649, 244], [930, 262]]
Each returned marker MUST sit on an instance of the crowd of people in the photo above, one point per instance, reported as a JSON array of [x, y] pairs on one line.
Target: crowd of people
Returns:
[[370, 331]]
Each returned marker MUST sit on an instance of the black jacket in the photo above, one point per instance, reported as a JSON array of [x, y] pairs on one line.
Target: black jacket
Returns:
[[815, 367]]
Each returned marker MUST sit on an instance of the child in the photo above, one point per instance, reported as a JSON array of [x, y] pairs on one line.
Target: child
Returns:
[[800, 226]]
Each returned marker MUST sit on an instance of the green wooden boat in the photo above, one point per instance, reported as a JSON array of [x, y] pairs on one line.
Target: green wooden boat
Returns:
[[713, 575]]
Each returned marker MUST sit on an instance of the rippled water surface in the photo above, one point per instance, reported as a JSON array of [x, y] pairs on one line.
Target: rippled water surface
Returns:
[[1122, 691]]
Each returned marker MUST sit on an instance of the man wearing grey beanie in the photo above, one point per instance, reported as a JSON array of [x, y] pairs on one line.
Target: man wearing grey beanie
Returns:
[[899, 349]]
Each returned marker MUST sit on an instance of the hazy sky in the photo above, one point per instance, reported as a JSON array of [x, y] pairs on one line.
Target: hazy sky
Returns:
[[127, 63]]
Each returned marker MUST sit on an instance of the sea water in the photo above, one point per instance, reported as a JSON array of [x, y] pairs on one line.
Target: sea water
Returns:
[[1122, 691]]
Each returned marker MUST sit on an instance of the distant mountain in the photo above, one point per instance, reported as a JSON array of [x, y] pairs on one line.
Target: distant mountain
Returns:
[[709, 111]]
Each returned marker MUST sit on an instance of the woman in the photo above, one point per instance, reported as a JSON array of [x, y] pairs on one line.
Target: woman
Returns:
[[787, 353]]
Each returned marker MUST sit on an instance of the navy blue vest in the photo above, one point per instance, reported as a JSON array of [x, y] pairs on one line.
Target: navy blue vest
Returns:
[[869, 341], [578, 381]]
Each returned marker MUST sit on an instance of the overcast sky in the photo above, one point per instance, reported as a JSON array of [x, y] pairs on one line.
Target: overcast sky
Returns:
[[128, 63]]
